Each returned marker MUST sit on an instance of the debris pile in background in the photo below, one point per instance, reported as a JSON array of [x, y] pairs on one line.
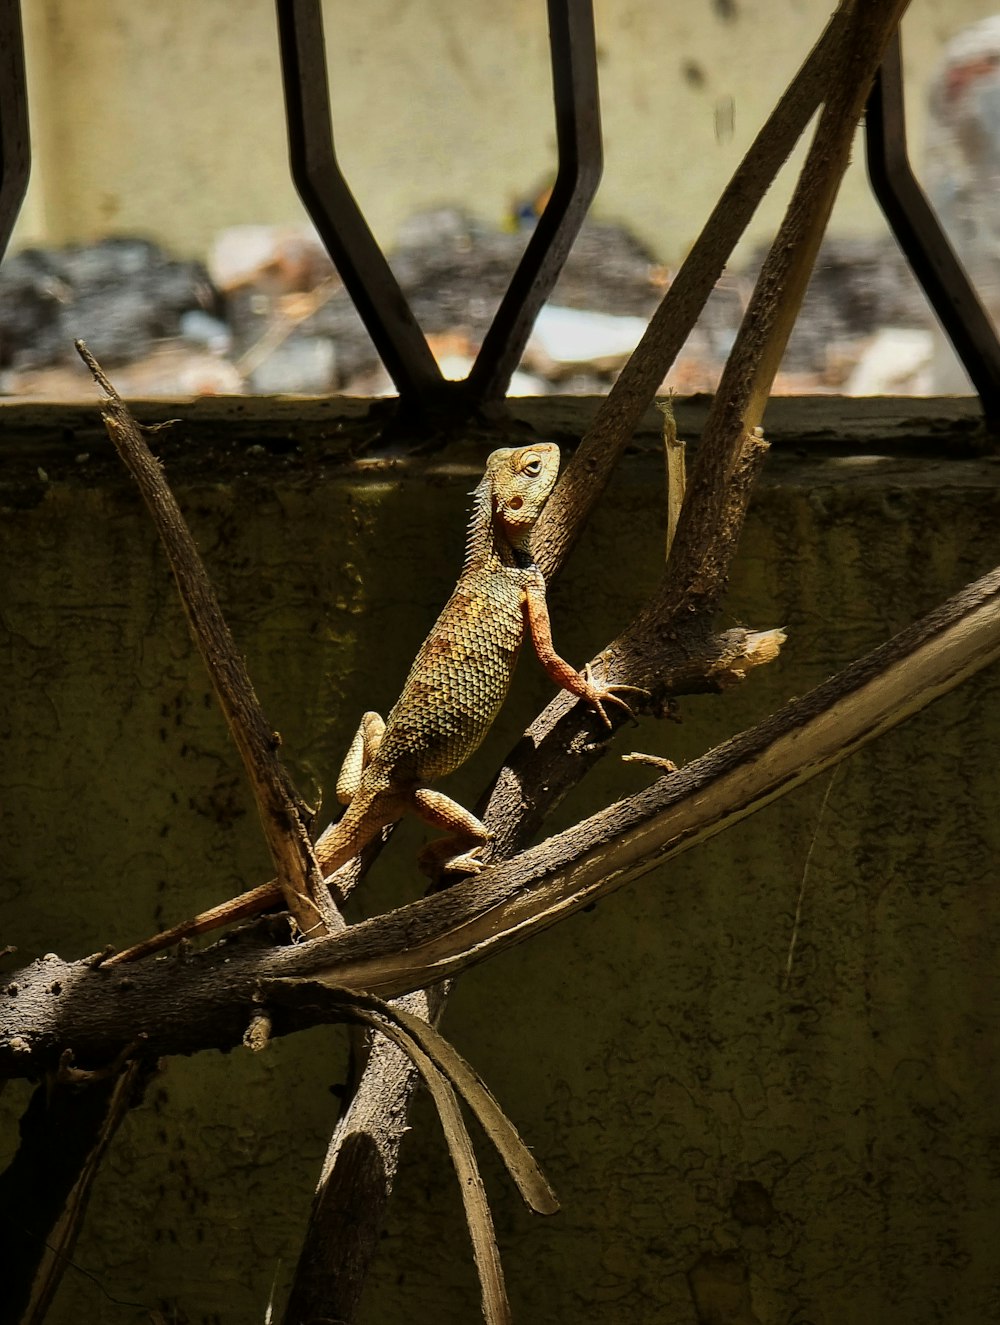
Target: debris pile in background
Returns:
[[123, 295], [864, 319], [268, 314]]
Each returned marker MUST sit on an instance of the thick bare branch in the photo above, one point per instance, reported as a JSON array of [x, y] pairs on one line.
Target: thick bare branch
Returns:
[[362, 1157], [702, 549], [714, 522], [182, 1006]]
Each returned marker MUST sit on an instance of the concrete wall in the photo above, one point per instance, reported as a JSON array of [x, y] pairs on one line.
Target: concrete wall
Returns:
[[816, 1147], [166, 120]]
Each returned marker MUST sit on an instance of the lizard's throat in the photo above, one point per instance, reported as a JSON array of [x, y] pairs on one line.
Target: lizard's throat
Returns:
[[493, 539]]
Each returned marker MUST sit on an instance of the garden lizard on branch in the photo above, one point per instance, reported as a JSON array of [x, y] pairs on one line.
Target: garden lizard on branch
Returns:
[[454, 691]]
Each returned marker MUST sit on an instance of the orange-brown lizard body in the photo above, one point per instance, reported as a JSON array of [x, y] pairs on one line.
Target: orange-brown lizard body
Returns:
[[454, 691]]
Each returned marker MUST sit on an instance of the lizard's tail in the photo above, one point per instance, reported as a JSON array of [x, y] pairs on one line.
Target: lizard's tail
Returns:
[[251, 903], [367, 814]]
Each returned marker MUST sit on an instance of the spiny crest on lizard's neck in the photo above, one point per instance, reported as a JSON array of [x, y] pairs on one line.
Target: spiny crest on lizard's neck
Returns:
[[508, 501]]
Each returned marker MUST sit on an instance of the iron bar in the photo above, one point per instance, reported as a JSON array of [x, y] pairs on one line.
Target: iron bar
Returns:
[[581, 162], [366, 274], [15, 146], [335, 213], [918, 231]]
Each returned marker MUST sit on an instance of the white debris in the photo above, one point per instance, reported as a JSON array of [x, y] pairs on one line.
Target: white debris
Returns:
[[199, 328], [570, 337], [301, 366], [896, 362], [282, 257]]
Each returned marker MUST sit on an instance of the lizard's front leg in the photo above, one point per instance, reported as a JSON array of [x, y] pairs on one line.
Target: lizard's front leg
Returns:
[[536, 613], [459, 851]]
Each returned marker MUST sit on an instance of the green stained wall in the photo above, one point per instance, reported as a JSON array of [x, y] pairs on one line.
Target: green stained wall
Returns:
[[730, 1143]]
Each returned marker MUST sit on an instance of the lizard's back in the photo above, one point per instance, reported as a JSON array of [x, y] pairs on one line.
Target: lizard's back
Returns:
[[458, 680]]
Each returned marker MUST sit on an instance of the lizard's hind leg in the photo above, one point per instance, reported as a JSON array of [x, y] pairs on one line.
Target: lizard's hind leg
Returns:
[[361, 751], [458, 852]]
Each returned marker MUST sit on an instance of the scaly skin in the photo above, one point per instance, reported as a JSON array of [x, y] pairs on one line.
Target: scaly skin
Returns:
[[454, 691]]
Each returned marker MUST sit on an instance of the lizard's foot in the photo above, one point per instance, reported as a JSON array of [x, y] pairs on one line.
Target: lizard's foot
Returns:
[[443, 858], [597, 697], [459, 851], [655, 761], [469, 862]]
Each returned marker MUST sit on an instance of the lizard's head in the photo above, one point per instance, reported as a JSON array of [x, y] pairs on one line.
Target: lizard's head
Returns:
[[520, 480]]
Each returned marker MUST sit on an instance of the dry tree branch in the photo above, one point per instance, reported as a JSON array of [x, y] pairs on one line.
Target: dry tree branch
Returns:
[[678, 619], [182, 1006], [92, 1114], [840, 70], [702, 549], [284, 820], [495, 1306], [65, 1132], [446, 1074], [588, 473], [363, 1154], [283, 815]]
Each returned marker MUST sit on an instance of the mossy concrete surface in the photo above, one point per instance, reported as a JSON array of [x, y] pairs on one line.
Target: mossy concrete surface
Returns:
[[762, 1080]]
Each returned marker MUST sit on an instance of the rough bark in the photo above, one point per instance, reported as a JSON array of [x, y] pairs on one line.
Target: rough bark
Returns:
[[363, 1154], [181, 1005]]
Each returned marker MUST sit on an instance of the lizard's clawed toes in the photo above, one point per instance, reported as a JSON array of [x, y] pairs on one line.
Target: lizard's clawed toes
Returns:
[[612, 694], [438, 860]]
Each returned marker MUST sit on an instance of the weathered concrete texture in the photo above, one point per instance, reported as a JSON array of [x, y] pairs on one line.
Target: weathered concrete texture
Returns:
[[740, 1129]]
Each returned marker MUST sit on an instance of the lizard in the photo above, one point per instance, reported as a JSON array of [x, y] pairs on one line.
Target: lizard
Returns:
[[453, 692]]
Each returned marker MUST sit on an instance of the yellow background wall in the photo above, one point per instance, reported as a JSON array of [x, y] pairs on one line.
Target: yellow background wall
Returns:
[[166, 119]]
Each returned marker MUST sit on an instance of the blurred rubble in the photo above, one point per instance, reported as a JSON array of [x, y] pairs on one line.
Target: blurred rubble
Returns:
[[268, 314], [121, 295]]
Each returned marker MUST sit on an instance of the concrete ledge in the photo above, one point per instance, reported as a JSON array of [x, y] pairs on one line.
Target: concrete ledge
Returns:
[[214, 435]]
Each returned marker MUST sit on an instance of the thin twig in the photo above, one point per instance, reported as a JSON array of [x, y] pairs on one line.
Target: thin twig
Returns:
[[675, 457], [283, 814], [797, 921]]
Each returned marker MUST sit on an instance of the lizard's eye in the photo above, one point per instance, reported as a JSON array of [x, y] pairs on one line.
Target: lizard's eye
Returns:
[[532, 466]]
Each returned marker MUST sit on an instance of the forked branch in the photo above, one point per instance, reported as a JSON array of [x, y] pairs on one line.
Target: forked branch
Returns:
[[840, 70], [183, 1006]]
